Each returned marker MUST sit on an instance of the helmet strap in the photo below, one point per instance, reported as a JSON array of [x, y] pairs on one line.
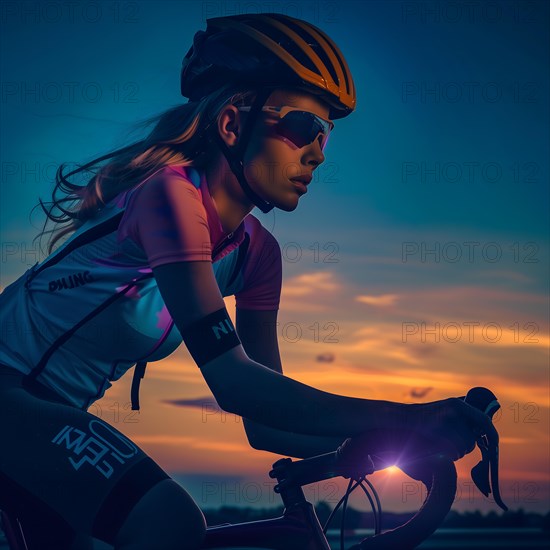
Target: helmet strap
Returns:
[[235, 156]]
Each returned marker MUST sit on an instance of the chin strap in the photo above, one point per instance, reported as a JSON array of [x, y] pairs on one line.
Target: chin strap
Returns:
[[235, 156]]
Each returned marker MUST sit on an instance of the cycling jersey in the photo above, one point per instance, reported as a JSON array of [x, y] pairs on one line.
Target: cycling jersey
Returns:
[[92, 310]]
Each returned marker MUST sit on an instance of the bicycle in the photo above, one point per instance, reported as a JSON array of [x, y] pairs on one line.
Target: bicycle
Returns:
[[299, 527]]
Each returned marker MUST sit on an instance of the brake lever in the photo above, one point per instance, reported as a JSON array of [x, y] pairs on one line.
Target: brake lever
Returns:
[[485, 472]]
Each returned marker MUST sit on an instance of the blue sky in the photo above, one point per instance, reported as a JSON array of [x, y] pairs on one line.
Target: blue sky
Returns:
[[431, 206], [471, 160]]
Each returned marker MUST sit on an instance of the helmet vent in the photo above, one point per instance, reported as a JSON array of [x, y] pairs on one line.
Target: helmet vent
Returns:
[[285, 42], [322, 55], [315, 46]]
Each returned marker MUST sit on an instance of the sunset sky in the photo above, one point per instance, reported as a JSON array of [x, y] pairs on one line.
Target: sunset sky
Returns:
[[416, 266]]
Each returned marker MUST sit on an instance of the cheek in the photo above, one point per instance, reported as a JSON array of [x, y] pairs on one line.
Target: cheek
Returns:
[[272, 159]]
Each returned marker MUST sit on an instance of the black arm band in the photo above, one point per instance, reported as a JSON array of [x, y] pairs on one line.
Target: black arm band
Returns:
[[210, 336]]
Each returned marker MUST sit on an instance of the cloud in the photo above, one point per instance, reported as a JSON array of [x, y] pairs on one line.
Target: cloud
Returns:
[[473, 303], [513, 440], [325, 357], [188, 441], [310, 292], [197, 402], [383, 300], [310, 283], [420, 392]]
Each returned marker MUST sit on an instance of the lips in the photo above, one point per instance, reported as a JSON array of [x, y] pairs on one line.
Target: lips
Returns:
[[299, 185], [305, 178]]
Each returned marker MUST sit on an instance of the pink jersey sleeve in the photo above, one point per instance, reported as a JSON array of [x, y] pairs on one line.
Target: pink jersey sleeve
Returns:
[[166, 217], [262, 273]]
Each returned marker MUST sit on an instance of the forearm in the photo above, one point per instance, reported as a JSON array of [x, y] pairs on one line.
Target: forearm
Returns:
[[250, 390], [265, 438]]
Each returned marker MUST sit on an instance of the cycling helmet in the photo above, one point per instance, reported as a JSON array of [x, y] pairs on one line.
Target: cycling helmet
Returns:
[[263, 52]]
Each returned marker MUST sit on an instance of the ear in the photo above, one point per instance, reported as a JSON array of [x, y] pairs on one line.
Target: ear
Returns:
[[228, 125]]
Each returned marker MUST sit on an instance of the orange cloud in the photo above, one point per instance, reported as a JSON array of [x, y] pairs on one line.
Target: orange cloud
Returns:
[[196, 443], [310, 292], [383, 300]]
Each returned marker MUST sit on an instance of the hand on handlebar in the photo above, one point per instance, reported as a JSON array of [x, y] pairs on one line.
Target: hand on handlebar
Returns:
[[446, 429], [450, 426], [472, 414], [424, 431]]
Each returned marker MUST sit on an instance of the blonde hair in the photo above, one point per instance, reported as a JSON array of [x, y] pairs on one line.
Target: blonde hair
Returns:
[[182, 135]]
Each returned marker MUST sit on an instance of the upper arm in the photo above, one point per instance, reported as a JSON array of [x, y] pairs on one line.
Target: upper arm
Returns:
[[190, 292]]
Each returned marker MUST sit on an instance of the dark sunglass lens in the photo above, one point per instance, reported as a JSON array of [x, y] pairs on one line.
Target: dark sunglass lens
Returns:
[[299, 127]]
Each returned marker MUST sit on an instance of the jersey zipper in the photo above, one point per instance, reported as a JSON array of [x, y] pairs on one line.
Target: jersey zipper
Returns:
[[226, 241]]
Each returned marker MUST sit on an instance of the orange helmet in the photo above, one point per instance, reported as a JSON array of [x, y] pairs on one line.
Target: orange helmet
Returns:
[[268, 49]]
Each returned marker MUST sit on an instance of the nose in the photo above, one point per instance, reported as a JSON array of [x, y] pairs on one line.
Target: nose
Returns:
[[313, 154]]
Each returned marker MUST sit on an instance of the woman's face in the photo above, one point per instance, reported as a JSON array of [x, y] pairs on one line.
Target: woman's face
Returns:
[[271, 159]]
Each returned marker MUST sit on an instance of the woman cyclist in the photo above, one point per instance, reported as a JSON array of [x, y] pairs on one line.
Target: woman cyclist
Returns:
[[158, 236]]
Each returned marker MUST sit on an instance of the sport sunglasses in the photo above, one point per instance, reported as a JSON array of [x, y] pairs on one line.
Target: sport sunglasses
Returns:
[[300, 127]]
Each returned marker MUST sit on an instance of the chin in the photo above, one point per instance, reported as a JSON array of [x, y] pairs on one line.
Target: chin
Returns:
[[288, 205], [286, 200]]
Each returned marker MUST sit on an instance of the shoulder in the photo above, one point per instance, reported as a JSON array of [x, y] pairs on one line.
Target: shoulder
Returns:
[[258, 232], [166, 203], [162, 180], [264, 249], [170, 183]]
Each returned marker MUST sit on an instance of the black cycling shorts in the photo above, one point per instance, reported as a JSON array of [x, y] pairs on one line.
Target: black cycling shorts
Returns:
[[64, 471]]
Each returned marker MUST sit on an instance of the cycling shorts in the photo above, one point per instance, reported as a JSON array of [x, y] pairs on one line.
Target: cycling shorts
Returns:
[[63, 471]]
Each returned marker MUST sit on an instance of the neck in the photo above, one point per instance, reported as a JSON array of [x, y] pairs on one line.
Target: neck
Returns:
[[232, 205]]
